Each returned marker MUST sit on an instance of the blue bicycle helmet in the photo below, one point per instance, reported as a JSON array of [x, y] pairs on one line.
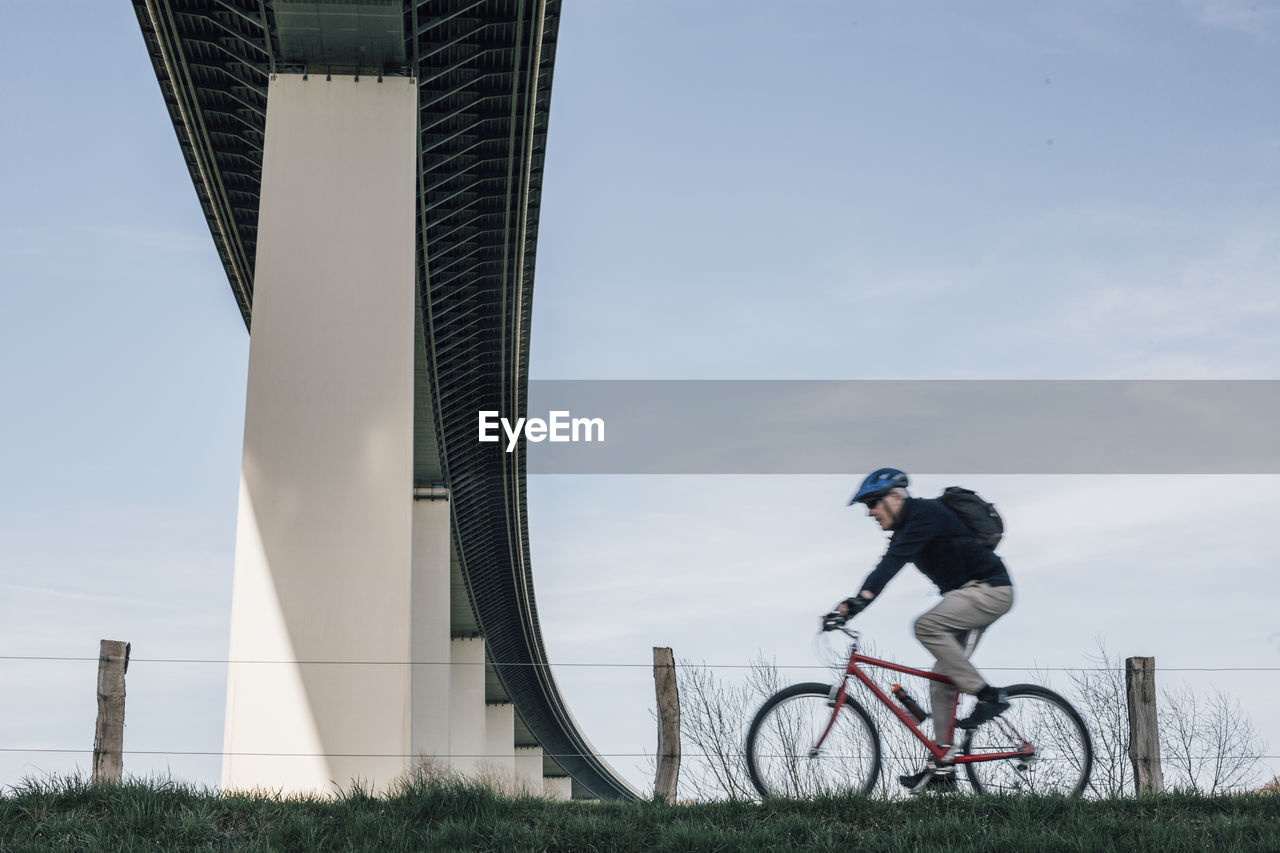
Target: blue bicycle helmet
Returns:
[[878, 484]]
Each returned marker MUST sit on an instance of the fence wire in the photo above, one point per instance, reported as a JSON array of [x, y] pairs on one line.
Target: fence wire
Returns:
[[219, 753], [595, 664], [575, 664]]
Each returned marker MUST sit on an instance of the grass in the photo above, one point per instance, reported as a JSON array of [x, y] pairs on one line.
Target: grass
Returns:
[[71, 814]]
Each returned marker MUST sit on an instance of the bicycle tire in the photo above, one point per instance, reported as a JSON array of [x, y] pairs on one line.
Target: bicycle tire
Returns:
[[1063, 760], [789, 723]]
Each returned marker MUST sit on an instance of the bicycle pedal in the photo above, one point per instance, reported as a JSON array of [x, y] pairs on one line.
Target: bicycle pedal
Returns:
[[931, 779]]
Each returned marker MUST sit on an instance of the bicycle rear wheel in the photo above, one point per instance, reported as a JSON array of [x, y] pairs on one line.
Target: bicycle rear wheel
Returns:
[[781, 757], [1063, 757]]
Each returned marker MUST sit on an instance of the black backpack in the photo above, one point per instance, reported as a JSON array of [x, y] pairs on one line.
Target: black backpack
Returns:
[[978, 515]]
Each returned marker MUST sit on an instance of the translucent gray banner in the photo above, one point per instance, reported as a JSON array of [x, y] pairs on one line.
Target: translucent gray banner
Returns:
[[924, 426]]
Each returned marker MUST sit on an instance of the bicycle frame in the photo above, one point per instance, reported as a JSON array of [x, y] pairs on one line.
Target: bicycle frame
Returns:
[[940, 754]]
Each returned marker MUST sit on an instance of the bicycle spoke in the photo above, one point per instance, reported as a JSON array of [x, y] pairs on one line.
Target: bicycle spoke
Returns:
[[781, 745], [1063, 753]]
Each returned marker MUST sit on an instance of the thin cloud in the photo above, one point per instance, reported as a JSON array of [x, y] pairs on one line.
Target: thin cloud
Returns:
[[1193, 316], [1256, 18]]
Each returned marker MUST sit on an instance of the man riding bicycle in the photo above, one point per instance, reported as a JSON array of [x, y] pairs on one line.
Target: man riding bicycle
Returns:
[[975, 587]]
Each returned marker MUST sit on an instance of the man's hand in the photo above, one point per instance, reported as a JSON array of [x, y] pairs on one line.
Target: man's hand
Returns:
[[833, 620], [844, 611], [851, 607]]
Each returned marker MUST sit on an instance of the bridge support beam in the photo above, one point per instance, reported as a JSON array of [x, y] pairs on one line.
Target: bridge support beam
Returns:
[[500, 745], [557, 788], [431, 637], [528, 768], [325, 531], [467, 742]]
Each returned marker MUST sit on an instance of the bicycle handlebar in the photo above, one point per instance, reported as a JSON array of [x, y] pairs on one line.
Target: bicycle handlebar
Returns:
[[834, 621]]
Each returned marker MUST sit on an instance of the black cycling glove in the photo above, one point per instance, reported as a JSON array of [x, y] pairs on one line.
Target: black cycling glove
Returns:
[[856, 605]]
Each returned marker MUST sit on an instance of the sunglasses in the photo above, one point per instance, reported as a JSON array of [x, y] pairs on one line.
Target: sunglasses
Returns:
[[873, 503]]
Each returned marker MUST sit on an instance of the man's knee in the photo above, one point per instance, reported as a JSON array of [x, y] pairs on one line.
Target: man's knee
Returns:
[[928, 627]]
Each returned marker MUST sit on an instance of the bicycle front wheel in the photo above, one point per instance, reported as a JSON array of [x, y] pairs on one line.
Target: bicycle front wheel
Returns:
[[1063, 752], [784, 756]]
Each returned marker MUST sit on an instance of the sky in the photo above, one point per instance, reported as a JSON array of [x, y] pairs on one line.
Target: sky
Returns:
[[733, 190]]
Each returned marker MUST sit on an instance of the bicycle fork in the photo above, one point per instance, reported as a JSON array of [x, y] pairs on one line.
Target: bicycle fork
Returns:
[[835, 700]]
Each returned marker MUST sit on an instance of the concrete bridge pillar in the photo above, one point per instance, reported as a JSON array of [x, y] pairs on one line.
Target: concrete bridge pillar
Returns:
[[557, 788], [500, 744], [431, 637], [528, 768], [327, 529], [467, 741]]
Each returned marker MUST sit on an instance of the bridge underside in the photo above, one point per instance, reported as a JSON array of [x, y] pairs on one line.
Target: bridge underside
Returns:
[[483, 70]]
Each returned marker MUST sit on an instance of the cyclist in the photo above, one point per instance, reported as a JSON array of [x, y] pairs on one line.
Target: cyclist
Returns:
[[976, 591]]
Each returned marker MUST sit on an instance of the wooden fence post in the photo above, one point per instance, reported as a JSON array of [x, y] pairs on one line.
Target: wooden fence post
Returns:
[[1144, 729], [108, 736], [664, 680]]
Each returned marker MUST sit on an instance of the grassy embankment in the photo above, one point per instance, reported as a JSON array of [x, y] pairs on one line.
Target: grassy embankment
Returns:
[[72, 815]]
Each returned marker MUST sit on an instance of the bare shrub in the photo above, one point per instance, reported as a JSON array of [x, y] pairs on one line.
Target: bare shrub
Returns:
[[1207, 742], [714, 716], [430, 768], [1100, 699], [501, 780]]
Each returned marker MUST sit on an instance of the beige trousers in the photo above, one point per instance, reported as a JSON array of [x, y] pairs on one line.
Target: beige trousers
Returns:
[[951, 631]]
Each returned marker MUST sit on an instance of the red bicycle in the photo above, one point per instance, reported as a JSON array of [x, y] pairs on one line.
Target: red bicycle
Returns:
[[815, 739]]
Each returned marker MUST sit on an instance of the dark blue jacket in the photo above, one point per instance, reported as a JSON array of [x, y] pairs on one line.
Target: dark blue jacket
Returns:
[[942, 547]]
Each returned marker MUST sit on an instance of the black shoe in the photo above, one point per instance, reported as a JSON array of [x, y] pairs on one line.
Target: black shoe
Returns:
[[992, 702], [939, 779]]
